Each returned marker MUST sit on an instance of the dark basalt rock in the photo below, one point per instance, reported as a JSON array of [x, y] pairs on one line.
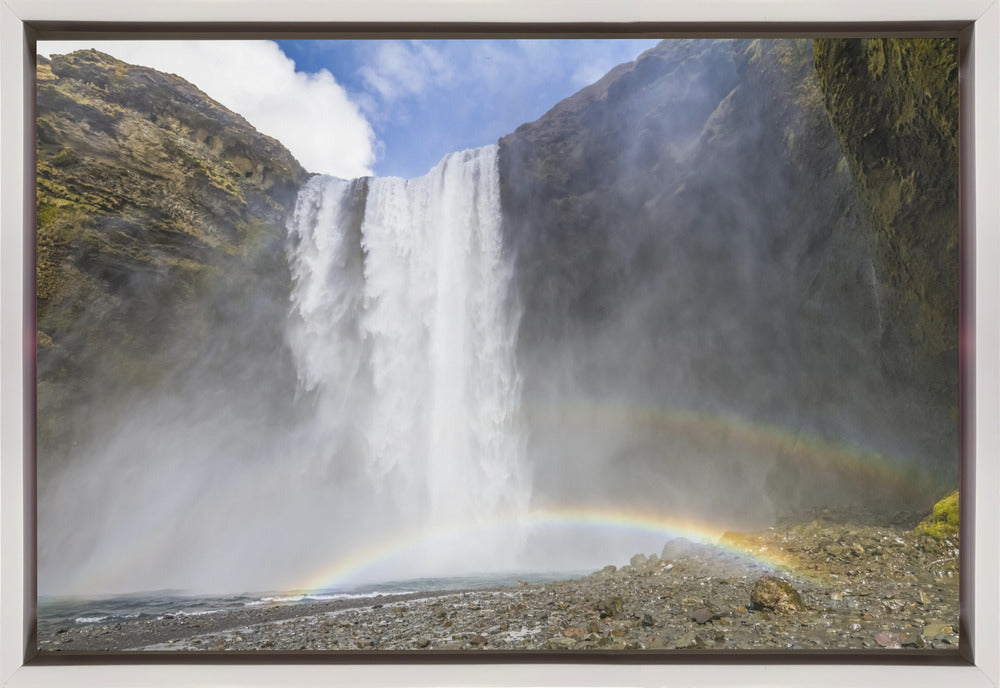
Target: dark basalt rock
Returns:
[[701, 229]]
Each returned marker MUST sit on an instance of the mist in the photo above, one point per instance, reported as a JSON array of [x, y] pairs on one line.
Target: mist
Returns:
[[661, 302]]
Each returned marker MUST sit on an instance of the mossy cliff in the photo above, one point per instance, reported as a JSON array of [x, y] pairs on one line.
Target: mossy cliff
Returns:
[[695, 230], [160, 226], [894, 105]]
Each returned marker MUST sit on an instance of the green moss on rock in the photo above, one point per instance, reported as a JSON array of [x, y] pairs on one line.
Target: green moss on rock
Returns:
[[942, 522]]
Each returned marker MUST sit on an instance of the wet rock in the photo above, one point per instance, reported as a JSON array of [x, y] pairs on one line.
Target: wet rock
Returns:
[[891, 640], [936, 629], [702, 615], [775, 594], [648, 620], [894, 605], [560, 643], [611, 606]]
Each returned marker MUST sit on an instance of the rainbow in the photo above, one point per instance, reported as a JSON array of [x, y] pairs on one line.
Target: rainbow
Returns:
[[353, 566], [724, 432]]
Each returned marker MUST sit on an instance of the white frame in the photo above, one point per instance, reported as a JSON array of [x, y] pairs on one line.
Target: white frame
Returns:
[[982, 18]]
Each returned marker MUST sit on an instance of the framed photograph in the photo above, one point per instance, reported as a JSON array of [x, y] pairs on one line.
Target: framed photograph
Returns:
[[495, 337]]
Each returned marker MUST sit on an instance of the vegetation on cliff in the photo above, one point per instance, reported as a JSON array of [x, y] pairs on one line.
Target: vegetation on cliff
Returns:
[[160, 223]]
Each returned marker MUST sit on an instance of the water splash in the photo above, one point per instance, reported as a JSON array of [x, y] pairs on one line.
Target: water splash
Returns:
[[404, 328]]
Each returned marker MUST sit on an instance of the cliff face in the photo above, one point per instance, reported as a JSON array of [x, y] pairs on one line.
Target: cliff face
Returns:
[[736, 263], [894, 106], [159, 243], [690, 233]]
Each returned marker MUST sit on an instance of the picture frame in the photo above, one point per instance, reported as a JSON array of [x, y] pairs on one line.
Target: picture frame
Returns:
[[979, 23]]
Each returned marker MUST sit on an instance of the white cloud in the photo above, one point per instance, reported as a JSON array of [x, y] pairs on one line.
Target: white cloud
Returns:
[[311, 114]]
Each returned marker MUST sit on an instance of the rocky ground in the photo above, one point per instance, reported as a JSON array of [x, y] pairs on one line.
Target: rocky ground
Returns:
[[841, 586]]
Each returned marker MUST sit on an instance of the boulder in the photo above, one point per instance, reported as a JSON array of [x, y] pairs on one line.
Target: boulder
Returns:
[[775, 594]]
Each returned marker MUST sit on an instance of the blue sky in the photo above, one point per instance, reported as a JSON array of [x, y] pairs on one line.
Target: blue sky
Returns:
[[425, 99], [353, 108]]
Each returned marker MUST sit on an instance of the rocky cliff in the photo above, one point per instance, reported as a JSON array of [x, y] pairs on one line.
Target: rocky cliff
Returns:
[[736, 262], [160, 241], [699, 232], [894, 106]]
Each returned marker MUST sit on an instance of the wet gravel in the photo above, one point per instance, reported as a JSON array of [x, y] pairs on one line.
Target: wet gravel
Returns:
[[860, 587]]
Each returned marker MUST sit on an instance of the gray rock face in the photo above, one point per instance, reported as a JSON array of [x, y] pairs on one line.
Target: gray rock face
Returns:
[[688, 235], [170, 265]]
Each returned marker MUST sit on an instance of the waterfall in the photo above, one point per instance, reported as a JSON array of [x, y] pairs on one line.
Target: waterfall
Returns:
[[404, 328]]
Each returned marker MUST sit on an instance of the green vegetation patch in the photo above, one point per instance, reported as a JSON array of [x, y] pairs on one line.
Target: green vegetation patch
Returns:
[[943, 519]]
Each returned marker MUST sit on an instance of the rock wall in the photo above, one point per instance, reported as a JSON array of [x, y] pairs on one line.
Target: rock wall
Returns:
[[690, 234], [160, 242], [894, 106]]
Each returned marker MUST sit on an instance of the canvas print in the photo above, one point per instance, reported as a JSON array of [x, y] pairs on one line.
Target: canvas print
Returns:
[[558, 346]]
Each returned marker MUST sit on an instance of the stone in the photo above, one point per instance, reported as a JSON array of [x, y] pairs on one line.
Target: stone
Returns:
[[611, 606], [890, 640], [775, 594], [560, 643], [689, 640], [638, 561], [678, 547], [936, 629], [702, 615]]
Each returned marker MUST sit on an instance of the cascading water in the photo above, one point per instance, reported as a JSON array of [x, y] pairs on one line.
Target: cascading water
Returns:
[[404, 328]]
